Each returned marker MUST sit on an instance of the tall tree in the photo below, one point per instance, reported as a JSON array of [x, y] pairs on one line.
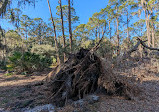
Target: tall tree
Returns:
[[126, 12], [96, 25], [115, 5], [14, 17], [108, 12], [63, 32], [148, 7], [4, 6], [153, 24], [55, 38], [82, 34], [3, 46], [25, 23], [38, 29], [69, 21]]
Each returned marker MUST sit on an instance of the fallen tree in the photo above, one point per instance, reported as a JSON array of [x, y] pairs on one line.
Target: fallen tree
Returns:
[[82, 74], [144, 45], [85, 73], [127, 54]]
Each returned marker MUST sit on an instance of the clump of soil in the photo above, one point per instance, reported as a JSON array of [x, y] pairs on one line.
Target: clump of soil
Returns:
[[82, 74]]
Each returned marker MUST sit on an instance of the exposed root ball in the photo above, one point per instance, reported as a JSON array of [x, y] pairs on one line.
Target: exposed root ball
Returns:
[[80, 75]]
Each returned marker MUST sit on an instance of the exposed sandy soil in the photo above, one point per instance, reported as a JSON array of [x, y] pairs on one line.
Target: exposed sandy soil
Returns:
[[17, 91], [147, 101]]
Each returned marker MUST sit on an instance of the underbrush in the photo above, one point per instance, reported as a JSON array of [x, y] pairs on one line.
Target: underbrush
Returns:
[[27, 62], [2, 65]]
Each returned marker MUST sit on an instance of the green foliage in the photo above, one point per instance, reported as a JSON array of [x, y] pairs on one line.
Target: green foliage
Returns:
[[117, 21], [2, 65], [27, 62], [105, 48], [74, 18], [87, 44], [8, 74], [45, 50], [14, 41]]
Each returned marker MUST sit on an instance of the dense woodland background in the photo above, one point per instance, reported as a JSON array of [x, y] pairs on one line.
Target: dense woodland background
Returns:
[[35, 44]]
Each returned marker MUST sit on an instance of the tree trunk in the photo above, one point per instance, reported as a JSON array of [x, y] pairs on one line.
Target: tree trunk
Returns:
[[118, 38], [55, 38], [109, 30], [153, 36], [128, 39], [98, 33], [69, 21], [63, 32], [26, 33], [5, 49], [148, 29]]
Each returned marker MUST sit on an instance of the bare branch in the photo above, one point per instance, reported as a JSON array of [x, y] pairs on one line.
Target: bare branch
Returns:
[[97, 46], [144, 45]]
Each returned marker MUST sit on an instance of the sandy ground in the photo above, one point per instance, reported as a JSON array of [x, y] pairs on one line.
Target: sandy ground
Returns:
[[17, 91], [146, 101]]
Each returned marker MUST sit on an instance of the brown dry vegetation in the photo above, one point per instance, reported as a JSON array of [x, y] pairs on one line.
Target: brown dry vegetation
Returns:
[[140, 75]]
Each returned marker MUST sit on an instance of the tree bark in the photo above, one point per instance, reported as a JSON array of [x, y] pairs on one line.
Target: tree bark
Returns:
[[55, 38], [63, 31], [144, 45], [148, 28], [153, 36], [128, 39], [118, 38], [5, 48], [98, 32], [109, 30], [69, 21]]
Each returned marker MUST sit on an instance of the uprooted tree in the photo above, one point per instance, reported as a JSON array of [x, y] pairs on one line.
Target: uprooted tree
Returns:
[[85, 73]]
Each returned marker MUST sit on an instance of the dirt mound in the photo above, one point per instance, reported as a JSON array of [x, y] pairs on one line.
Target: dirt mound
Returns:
[[82, 74]]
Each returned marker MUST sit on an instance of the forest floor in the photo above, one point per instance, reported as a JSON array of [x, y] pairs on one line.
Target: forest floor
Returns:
[[20, 91]]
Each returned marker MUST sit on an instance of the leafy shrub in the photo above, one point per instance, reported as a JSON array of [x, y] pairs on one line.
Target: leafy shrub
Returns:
[[105, 48], [27, 62], [45, 50], [87, 44], [8, 74], [2, 65]]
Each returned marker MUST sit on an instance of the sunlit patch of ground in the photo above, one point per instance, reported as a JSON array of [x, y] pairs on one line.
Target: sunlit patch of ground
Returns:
[[19, 91]]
